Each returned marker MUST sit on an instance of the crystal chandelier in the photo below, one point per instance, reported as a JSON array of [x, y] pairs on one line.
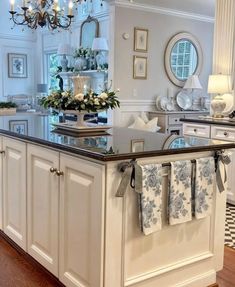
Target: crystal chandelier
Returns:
[[34, 13]]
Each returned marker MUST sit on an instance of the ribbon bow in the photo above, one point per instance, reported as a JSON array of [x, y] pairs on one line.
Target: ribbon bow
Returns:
[[225, 160], [132, 173]]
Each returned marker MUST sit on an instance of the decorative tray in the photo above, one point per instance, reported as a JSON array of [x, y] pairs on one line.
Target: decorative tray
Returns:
[[72, 126]]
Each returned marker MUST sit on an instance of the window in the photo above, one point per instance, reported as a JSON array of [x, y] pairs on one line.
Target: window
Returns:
[[52, 63]]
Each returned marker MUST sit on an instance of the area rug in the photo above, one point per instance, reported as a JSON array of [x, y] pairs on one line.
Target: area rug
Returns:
[[230, 226]]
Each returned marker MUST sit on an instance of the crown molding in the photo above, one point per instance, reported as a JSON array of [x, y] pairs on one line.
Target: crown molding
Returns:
[[162, 10], [32, 38]]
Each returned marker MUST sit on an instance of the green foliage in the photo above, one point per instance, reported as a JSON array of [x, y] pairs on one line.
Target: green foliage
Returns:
[[90, 102], [83, 52], [7, 105]]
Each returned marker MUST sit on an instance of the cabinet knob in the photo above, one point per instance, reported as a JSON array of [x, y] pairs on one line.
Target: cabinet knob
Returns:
[[226, 134], [59, 173], [195, 130], [52, 170]]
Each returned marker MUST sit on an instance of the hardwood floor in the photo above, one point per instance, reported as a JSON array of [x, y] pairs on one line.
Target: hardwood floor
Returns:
[[226, 277], [17, 271]]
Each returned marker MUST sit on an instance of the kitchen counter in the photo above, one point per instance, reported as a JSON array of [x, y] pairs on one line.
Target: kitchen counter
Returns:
[[58, 203], [115, 144], [211, 121]]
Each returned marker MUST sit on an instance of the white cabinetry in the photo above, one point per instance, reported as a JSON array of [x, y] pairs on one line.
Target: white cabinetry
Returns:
[[226, 133], [14, 190], [81, 222], [43, 206]]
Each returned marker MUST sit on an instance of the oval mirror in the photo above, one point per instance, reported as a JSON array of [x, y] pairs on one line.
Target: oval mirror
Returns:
[[89, 31], [183, 58]]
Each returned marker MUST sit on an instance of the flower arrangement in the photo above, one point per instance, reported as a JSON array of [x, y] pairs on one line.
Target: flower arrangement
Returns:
[[82, 52], [90, 102]]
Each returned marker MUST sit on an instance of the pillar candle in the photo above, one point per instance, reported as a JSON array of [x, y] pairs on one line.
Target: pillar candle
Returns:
[[12, 2]]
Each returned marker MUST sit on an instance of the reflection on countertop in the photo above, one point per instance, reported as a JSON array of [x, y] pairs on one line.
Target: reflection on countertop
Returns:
[[115, 144]]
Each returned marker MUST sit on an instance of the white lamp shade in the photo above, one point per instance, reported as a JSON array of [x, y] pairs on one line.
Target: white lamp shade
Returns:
[[100, 44], [64, 49], [193, 83], [219, 84]]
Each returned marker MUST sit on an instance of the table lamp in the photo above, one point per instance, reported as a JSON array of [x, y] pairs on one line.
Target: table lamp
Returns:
[[100, 45], [192, 84], [220, 85], [64, 50]]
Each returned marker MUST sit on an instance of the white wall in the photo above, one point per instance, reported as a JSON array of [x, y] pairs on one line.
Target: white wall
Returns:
[[161, 29], [14, 40]]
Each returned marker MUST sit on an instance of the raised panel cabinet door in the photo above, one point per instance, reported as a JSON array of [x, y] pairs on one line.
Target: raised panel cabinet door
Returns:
[[81, 223], [1, 191], [14, 190], [43, 206]]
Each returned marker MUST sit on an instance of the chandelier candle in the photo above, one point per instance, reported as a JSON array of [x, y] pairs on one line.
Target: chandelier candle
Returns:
[[42, 13]]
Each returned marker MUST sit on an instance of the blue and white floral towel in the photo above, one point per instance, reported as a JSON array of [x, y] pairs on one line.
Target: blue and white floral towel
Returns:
[[180, 205], [205, 172], [151, 198]]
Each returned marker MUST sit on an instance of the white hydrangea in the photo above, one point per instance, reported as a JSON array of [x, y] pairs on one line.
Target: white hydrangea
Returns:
[[79, 97], [103, 96]]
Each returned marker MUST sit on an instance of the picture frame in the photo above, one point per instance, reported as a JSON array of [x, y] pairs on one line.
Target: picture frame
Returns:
[[140, 40], [137, 145], [17, 65], [140, 67], [19, 126]]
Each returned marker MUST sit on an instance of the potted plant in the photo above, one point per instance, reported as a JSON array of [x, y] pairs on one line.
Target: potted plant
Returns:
[[81, 55], [7, 108]]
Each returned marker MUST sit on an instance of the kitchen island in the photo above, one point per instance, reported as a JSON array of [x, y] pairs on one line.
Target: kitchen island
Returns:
[[59, 204]]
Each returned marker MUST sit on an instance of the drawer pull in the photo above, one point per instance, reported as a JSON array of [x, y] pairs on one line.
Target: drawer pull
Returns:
[[52, 170], [2, 152], [59, 173], [226, 134], [176, 120], [195, 130]]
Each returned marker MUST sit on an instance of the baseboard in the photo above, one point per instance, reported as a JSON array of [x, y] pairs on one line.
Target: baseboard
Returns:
[[30, 259]]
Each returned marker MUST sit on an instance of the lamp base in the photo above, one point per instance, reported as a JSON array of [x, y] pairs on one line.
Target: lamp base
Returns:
[[218, 105]]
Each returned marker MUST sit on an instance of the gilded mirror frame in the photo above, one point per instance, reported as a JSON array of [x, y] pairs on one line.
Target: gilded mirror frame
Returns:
[[88, 21], [170, 45]]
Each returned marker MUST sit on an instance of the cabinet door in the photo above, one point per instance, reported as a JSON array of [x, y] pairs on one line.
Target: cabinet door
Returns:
[[14, 190], [43, 206], [1, 183], [81, 223]]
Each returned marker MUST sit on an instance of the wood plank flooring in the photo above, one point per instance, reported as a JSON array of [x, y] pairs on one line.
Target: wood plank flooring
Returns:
[[226, 277], [17, 271]]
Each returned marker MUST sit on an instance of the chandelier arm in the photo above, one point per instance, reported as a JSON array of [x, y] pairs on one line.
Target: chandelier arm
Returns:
[[14, 17]]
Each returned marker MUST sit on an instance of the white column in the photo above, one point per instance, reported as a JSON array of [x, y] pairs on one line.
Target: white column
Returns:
[[224, 38]]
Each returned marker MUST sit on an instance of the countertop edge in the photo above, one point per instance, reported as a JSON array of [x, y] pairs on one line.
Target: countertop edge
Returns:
[[115, 157], [220, 122]]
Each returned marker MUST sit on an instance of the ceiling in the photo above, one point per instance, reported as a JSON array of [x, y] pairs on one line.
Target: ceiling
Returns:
[[203, 7]]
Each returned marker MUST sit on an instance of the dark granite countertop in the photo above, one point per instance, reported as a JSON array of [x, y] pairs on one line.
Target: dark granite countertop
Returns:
[[116, 144], [210, 121]]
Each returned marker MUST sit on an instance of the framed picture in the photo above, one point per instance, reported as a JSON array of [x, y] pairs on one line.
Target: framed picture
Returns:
[[137, 145], [17, 65], [19, 126], [140, 67], [140, 40]]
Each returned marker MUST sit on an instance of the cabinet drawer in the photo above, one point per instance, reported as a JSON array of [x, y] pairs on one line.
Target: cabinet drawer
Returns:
[[223, 133], [175, 119], [196, 130]]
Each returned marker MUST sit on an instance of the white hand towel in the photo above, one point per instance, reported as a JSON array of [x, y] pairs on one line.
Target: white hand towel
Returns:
[[180, 205], [151, 198], [205, 172]]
